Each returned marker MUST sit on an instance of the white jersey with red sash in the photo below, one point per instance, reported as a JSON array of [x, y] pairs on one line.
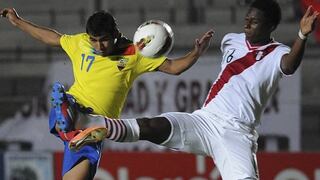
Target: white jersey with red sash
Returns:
[[249, 76]]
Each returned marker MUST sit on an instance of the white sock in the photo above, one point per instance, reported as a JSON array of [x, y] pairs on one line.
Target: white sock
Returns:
[[122, 130], [133, 130]]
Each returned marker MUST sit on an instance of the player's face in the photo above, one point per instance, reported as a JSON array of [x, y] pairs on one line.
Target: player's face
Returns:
[[103, 45], [256, 27]]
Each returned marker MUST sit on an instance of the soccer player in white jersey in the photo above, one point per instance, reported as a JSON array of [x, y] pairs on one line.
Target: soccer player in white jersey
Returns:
[[224, 128]]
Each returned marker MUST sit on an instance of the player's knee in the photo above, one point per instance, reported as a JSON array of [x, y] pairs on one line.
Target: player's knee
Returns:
[[156, 130]]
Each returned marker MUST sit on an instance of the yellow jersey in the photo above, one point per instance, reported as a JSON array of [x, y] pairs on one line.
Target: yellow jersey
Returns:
[[103, 83]]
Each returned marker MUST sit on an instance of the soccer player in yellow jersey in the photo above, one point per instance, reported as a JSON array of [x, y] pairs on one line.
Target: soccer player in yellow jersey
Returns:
[[104, 64]]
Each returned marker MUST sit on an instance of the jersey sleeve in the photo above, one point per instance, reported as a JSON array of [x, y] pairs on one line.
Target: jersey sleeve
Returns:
[[68, 44], [146, 64], [281, 50], [223, 44]]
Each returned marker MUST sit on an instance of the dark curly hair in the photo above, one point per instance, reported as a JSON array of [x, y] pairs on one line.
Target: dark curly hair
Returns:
[[101, 23], [270, 8]]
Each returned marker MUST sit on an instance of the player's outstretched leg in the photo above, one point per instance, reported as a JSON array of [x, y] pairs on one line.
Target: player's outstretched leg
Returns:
[[156, 130], [65, 114], [101, 127]]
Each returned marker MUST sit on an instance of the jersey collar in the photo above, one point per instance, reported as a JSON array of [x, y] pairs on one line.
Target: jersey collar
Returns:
[[252, 48]]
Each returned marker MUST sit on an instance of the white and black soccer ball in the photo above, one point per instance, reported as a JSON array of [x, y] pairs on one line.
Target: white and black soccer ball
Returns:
[[154, 38]]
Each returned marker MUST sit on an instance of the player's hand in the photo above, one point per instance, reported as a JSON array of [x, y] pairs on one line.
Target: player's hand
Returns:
[[308, 21], [11, 14], [202, 44]]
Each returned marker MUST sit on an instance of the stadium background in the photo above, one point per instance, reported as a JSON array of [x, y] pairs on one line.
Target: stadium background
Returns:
[[290, 128]]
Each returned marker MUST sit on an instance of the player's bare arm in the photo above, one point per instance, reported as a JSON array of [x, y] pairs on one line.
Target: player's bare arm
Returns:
[[179, 65], [290, 62], [45, 35]]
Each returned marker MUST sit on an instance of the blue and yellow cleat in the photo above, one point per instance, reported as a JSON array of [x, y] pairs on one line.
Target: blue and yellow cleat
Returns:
[[64, 112]]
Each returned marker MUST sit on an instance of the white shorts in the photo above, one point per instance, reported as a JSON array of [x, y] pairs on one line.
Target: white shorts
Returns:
[[231, 145]]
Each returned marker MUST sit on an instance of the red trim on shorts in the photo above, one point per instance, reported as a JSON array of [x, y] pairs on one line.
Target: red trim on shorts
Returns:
[[235, 68]]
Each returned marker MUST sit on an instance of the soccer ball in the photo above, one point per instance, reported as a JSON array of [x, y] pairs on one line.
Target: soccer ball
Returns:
[[154, 38]]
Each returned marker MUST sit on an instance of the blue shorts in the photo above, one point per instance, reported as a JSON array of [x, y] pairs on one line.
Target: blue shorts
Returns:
[[71, 158]]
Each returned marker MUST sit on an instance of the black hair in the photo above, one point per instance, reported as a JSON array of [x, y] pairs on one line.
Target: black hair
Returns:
[[270, 8], [101, 23]]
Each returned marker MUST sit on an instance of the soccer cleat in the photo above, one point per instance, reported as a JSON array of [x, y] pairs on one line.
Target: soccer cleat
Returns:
[[88, 136], [65, 113]]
